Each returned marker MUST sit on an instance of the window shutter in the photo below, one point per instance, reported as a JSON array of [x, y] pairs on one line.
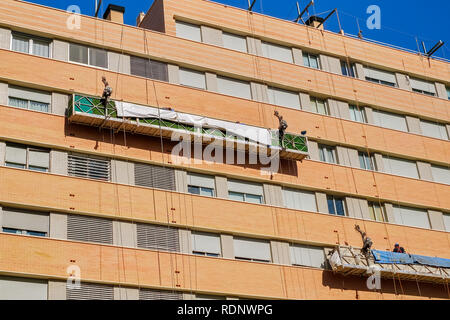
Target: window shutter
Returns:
[[234, 42], [300, 200], [41, 48], [91, 291], [159, 70], [149, 69], [284, 98], [390, 120], [188, 31], [16, 154], [441, 174], [78, 53], [233, 87], [252, 249], [152, 294], [20, 43], [98, 57], [434, 130], [200, 180], [158, 237], [192, 78], [379, 74], [401, 167], [277, 52], [308, 256], [29, 94], [422, 85], [151, 176], [25, 220], [206, 242], [411, 217], [39, 158], [89, 229], [245, 187], [87, 167], [446, 218], [22, 289]]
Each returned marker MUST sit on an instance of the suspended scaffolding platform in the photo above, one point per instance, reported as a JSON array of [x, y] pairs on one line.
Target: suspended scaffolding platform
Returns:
[[90, 111], [347, 261]]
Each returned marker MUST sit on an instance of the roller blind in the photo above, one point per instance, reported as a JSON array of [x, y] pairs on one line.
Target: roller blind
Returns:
[[16, 154], [25, 220], [20, 43], [29, 94], [300, 200], [284, 98], [200, 180], [310, 256], [158, 237], [390, 120], [90, 291], [441, 174], [447, 222], [22, 289], [411, 217], [434, 130], [149, 68], [206, 242], [379, 74], [401, 167], [88, 167], [233, 87], [277, 52], [252, 249], [41, 48], [151, 176], [422, 85], [89, 229], [234, 42], [188, 31], [39, 158], [78, 53], [192, 78], [98, 57], [245, 187], [152, 294]]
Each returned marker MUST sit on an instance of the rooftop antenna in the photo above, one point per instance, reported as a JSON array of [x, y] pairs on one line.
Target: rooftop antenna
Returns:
[[250, 5], [424, 48], [300, 15], [359, 30], [435, 48], [97, 7], [327, 17]]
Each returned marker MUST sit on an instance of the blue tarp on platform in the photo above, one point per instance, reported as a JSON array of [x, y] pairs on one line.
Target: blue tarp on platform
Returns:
[[404, 258]]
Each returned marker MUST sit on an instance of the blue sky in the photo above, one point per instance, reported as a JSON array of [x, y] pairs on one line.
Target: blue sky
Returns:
[[401, 20]]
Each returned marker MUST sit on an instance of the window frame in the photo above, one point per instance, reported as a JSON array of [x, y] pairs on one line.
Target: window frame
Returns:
[[205, 253], [350, 69], [365, 158], [27, 160], [314, 102], [334, 199], [31, 38], [354, 110], [89, 56], [25, 232], [373, 214], [29, 104], [244, 195], [323, 157], [200, 190], [308, 55]]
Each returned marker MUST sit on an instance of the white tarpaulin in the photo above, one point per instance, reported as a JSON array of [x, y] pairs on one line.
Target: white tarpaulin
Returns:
[[129, 110]]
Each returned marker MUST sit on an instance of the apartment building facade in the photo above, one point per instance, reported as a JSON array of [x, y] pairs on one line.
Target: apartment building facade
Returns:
[[110, 208]]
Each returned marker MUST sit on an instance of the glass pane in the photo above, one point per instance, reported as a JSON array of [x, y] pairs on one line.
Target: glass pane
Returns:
[[41, 48], [194, 190], [38, 169], [98, 58], [19, 103], [15, 165], [340, 207], [207, 192], [253, 198], [78, 53], [39, 106], [35, 233], [330, 155], [20, 44], [371, 212], [235, 196], [378, 213], [330, 202], [344, 68], [321, 107], [322, 154], [306, 60], [10, 230], [362, 162], [314, 62]]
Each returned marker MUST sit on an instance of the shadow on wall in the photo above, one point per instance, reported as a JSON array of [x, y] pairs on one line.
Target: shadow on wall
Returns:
[[407, 289]]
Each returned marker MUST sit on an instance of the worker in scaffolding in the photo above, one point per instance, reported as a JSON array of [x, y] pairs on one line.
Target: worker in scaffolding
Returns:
[[367, 242], [281, 128], [398, 249], [107, 92]]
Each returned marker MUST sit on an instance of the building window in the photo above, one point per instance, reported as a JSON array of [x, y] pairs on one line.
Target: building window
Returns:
[[433, 130], [358, 114], [202, 185], [90, 291], [390, 120], [366, 161], [234, 42], [25, 157], [448, 92], [30, 99], [89, 56], [89, 167], [377, 212], [245, 191], [336, 206], [348, 69], [150, 176], [300, 200], [23, 289], [158, 237], [412, 217], [252, 250], [233, 87], [277, 52], [440, 174], [192, 78], [188, 31], [319, 106], [447, 222], [152, 294], [422, 86], [30, 44], [89, 229], [327, 153], [309, 256], [18, 221], [380, 76], [206, 244], [401, 167], [284, 98], [150, 69], [311, 60]]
